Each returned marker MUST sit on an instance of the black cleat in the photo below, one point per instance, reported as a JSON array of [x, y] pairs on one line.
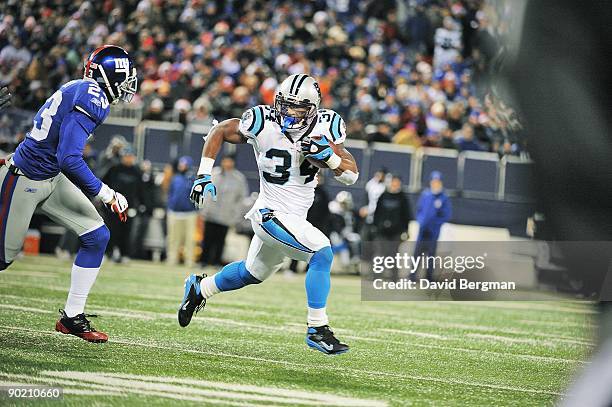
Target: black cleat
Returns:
[[322, 339], [79, 326], [193, 301]]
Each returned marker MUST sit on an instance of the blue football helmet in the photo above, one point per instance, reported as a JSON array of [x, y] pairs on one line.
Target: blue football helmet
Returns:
[[113, 69]]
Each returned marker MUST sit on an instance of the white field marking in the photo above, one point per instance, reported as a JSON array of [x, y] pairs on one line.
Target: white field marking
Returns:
[[530, 341], [283, 329], [76, 388], [415, 333], [563, 324], [353, 372], [214, 389], [26, 309], [479, 352], [149, 315], [557, 338], [447, 325], [504, 305]]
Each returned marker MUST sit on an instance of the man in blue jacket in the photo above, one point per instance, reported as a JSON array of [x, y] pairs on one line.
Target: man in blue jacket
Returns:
[[433, 210]]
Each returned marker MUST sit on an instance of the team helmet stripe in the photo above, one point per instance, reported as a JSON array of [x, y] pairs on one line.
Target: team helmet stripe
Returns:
[[297, 89]]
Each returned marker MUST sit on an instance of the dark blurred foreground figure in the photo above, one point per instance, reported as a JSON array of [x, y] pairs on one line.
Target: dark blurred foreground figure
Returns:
[[561, 80]]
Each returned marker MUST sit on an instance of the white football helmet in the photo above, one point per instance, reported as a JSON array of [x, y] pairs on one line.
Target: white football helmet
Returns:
[[296, 102]]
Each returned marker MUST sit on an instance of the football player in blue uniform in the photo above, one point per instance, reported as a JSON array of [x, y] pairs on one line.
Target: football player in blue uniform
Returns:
[[48, 173]]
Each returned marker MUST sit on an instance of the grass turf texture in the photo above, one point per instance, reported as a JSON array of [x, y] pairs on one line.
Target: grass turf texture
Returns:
[[402, 353]]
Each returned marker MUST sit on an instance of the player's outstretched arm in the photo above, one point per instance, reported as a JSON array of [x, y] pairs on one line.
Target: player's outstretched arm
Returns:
[[227, 130]]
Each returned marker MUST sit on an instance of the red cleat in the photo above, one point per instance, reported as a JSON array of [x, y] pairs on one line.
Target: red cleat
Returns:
[[79, 326]]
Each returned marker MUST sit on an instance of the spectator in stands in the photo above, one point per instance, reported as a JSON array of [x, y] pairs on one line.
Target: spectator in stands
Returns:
[[433, 210], [448, 140], [224, 213], [465, 139], [181, 216], [408, 136], [125, 177], [382, 134]]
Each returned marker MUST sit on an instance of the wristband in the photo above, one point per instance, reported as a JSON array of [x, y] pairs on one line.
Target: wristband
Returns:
[[106, 194], [334, 161], [347, 177], [206, 165]]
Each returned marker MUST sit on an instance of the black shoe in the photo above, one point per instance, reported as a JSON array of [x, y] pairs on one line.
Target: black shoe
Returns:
[[322, 339], [79, 326], [193, 301]]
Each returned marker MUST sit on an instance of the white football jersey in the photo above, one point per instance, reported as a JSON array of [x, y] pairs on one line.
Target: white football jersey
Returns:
[[287, 181]]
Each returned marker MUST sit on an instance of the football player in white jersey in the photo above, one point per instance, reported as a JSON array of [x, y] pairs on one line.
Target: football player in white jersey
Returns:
[[286, 138]]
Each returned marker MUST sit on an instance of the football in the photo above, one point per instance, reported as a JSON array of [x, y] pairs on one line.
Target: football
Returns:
[[319, 163]]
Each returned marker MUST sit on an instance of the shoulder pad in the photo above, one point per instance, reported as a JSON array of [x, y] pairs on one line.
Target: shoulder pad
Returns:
[[335, 124], [252, 121], [91, 100]]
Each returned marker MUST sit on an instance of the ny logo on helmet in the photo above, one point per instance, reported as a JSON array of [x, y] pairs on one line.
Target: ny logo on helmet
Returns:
[[122, 65]]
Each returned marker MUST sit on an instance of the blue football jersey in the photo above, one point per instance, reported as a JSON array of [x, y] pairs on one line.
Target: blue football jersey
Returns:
[[37, 155]]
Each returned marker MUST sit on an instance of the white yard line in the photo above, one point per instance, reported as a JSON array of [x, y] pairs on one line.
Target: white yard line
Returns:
[[354, 372], [79, 387], [214, 389], [531, 341], [227, 322]]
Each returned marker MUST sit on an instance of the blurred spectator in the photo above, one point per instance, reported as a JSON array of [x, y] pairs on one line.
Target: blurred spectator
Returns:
[[374, 188], [448, 43], [465, 139], [393, 212], [433, 210], [390, 221], [150, 199], [382, 133], [344, 235], [181, 216], [408, 136], [111, 156], [220, 215], [124, 177]]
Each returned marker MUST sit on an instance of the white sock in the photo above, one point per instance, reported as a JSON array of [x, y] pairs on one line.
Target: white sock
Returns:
[[81, 281], [209, 287], [317, 317]]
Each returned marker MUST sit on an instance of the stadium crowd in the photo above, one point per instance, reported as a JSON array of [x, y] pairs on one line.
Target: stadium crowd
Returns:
[[402, 71]]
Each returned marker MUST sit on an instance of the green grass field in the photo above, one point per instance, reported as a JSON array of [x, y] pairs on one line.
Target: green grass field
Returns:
[[247, 347]]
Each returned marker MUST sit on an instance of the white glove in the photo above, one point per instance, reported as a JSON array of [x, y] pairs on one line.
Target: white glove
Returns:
[[117, 202], [120, 206]]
